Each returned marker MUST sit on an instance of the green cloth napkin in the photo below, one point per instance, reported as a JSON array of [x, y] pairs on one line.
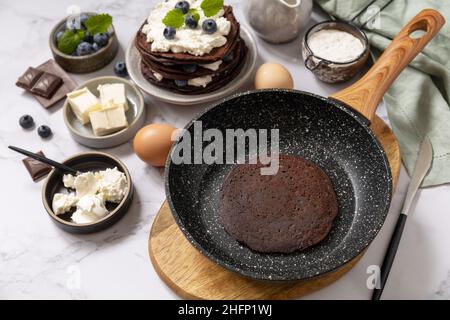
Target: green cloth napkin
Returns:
[[418, 102]]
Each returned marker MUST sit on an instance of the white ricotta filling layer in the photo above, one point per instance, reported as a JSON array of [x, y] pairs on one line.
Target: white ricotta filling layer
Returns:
[[187, 40]]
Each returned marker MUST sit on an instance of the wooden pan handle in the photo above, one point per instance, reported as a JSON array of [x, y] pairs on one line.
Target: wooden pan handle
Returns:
[[366, 93]]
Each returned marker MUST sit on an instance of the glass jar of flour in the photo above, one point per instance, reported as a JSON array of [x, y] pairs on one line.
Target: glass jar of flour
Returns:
[[335, 51]]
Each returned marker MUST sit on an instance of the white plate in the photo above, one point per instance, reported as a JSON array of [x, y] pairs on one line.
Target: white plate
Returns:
[[133, 61]]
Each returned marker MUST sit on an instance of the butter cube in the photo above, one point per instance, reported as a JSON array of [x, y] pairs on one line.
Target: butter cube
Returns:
[[114, 92], [82, 103], [107, 121], [110, 105]]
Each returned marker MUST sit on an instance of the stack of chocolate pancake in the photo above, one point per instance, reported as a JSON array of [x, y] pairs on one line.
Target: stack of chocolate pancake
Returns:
[[173, 66]]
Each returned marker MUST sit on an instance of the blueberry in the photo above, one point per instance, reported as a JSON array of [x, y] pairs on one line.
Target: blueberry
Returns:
[[209, 26], [59, 35], [189, 68], [83, 18], [120, 69], [101, 39], [181, 83], [44, 131], [95, 47], [88, 37], [183, 6], [26, 121], [169, 33], [84, 48], [190, 21], [228, 58]]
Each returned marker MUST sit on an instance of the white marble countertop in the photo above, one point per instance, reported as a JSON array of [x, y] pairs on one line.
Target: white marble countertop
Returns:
[[40, 261]]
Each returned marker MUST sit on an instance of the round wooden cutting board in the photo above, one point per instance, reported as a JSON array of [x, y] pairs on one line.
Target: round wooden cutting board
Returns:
[[193, 276]]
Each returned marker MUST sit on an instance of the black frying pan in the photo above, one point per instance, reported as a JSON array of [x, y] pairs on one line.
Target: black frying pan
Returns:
[[326, 131]]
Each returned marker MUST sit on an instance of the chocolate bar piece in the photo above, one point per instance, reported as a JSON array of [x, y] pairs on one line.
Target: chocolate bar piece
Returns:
[[35, 168], [29, 78], [46, 85]]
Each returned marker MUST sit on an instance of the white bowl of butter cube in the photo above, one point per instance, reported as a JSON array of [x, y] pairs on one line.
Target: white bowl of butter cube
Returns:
[[104, 112]]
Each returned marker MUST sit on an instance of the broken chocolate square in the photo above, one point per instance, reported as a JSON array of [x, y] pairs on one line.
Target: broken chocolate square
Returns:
[[46, 85], [29, 78], [35, 168]]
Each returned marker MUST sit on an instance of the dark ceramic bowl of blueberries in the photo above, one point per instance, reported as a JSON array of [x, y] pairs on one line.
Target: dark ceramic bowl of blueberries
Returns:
[[84, 43]]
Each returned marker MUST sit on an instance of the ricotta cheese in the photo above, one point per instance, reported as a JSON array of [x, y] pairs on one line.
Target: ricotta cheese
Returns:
[[200, 81], [90, 209], [85, 184], [93, 190], [212, 66], [187, 40], [158, 76], [63, 203], [113, 184]]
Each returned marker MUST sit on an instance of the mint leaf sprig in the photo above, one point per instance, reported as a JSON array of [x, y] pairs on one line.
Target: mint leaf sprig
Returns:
[[99, 23], [176, 19], [211, 7], [69, 40]]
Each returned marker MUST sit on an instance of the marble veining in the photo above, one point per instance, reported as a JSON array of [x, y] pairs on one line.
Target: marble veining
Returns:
[[38, 260], [443, 291]]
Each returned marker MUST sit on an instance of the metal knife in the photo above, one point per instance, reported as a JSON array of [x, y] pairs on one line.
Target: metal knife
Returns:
[[421, 168]]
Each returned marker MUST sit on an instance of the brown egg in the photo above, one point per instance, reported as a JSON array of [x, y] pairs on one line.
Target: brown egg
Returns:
[[273, 75], [152, 143]]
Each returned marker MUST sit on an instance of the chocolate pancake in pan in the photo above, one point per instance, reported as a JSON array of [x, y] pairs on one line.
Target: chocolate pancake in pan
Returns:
[[219, 80], [216, 54], [281, 213]]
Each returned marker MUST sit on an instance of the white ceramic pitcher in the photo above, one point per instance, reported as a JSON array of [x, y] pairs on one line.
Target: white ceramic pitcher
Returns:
[[278, 21]]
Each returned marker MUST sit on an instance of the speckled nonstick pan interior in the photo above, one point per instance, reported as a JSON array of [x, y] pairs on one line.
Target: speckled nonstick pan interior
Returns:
[[326, 131]]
